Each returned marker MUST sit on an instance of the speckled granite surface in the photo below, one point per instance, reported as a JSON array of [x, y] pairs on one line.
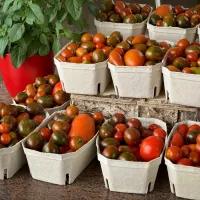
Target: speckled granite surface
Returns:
[[89, 185]]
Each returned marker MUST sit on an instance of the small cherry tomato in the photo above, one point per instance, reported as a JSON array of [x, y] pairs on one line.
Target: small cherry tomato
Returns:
[[193, 127], [152, 127], [198, 139], [98, 118], [5, 138], [177, 140], [118, 136], [99, 45], [183, 129], [185, 161], [185, 150], [64, 150], [76, 143], [174, 154], [194, 157], [160, 133], [46, 133], [192, 57], [39, 118], [120, 128], [61, 58], [4, 127]]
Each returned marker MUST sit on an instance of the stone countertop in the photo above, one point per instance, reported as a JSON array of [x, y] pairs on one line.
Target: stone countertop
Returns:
[[88, 185]]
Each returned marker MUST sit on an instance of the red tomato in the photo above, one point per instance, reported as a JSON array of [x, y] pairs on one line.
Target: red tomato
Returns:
[[115, 58], [198, 139], [194, 157], [87, 57], [61, 58], [98, 118], [185, 161], [5, 138], [120, 128], [64, 150], [118, 136], [119, 50], [57, 87], [177, 140], [160, 133], [66, 53], [106, 50], [46, 133], [198, 148], [76, 143], [195, 43], [136, 152], [185, 150], [192, 147], [152, 127], [174, 154], [193, 127], [192, 57], [151, 148], [4, 127], [183, 129], [99, 45]]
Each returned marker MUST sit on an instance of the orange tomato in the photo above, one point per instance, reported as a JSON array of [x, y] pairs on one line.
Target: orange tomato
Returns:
[[4, 127], [106, 50], [61, 58], [163, 10], [183, 44], [71, 110], [39, 118], [5, 138], [115, 58], [192, 57], [140, 39], [75, 59], [57, 87], [72, 47], [39, 94], [99, 45], [86, 37], [134, 57], [66, 53], [119, 50], [192, 147], [99, 38], [87, 57], [187, 70], [80, 52]]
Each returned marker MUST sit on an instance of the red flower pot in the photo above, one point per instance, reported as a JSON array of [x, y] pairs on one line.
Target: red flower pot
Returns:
[[16, 80]]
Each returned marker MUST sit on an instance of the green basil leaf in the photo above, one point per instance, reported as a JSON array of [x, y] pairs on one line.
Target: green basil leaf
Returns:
[[6, 5], [3, 44], [43, 39], [18, 56], [56, 46], [33, 48], [16, 32], [37, 13], [44, 50], [74, 7]]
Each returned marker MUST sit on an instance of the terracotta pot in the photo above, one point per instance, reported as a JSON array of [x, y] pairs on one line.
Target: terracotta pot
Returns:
[[16, 80]]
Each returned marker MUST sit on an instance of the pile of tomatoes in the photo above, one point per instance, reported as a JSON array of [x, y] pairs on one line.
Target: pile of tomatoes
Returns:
[[17, 122], [184, 57], [92, 49], [168, 16], [138, 51], [46, 91], [66, 132], [128, 140], [184, 147], [120, 11]]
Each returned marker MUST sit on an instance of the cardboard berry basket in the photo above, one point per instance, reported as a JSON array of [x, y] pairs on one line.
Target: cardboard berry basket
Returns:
[[138, 82], [173, 34], [182, 88], [129, 176], [184, 180], [125, 29], [78, 78], [12, 159], [59, 169]]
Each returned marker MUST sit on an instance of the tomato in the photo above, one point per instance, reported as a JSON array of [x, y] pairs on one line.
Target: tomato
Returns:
[[118, 136], [72, 47], [189, 13], [195, 43], [177, 140], [46, 133], [106, 50], [87, 57], [66, 53], [119, 50], [194, 157], [185, 150], [192, 57], [192, 147], [134, 123], [115, 58], [120, 128], [75, 59], [86, 37], [4, 127], [187, 70], [159, 22], [193, 127], [76, 143], [174, 52], [80, 52], [134, 57], [99, 45], [160, 133], [198, 139], [99, 38], [38, 118], [119, 5], [61, 126], [132, 136], [152, 127], [183, 43], [61, 58], [185, 161], [64, 150], [174, 154], [57, 87], [98, 118], [111, 152], [178, 9], [5, 138], [13, 135], [71, 110], [146, 133], [183, 129], [198, 148], [151, 148]]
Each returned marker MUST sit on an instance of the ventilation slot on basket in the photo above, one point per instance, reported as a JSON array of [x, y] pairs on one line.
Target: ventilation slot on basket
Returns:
[[155, 90], [117, 91], [5, 173], [174, 191], [149, 187], [107, 185], [99, 88], [67, 179], [167, 95]]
